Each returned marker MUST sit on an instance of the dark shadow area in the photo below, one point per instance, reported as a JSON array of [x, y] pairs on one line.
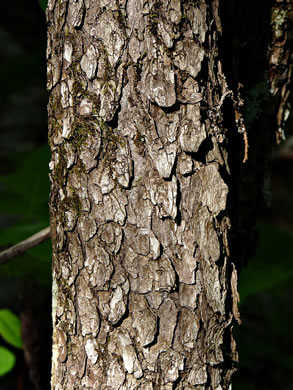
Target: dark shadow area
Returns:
[[260, 204]]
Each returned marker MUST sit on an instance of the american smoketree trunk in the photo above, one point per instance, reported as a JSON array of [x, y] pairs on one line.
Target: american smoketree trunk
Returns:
[[144, 289]]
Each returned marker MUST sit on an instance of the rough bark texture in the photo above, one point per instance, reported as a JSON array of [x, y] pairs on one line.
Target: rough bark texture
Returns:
[[145, 291]]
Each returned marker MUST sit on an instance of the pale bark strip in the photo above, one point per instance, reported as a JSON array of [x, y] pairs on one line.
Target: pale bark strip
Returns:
[[24, 245], [144, 290]]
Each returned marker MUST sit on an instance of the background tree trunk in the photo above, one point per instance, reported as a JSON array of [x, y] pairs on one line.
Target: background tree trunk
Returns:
[[141, 120]]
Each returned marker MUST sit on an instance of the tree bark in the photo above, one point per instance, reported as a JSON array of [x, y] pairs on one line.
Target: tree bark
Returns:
[[140, 115]]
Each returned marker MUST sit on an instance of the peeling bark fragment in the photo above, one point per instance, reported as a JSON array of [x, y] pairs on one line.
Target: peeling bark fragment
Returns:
[[75, 12], [185, 164], [130, 360], [204, 235], [164, 159], [70, 219], [145, 243], [152, 275], [67, 124], [185, 265], [107, 91], [143, 319], [60, 237], [114, 209], [214, 188], [188, 295], [159, 81], [115, 375], [111, 235], [188, 328], [197, 375], [164, 195], [74, 246], [65, 95], [155, 299], [123, 166], [213, 287], [189, 92], [79, 182], [188, 57], [111, 35], [171, 364], [167, 25], [89, 61], [103, 178], [214, 352], [53, 75], [105, 329], [168, 315], [87, 227], [198, 18], [117, 306], [166, 126], [90, 150], [164, 275], [139, 216], [90, 348], [192, 132], [98, 264], [71, 155], [104, 298], [62, 351], [235, 295], [85, 108], [88, 315]]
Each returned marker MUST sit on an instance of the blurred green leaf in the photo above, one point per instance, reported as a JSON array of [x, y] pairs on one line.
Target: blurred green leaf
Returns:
[[26, 192], [7, 361], [25, 200], [35, 263], [10, 328], [43, 4], [44, 252], [272, 263], [20, 231]]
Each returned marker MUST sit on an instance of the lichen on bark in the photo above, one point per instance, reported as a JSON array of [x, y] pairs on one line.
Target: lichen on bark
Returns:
[[144, 288]]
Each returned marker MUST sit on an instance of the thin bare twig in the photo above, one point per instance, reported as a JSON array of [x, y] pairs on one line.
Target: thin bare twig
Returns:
[[24, 245]]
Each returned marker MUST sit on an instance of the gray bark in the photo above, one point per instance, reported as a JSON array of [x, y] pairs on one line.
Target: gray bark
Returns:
[[144, 289]]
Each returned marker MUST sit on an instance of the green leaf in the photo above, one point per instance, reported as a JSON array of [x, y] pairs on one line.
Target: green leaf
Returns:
[[43, 4], [272, 264], [7, 361], [10, 328]]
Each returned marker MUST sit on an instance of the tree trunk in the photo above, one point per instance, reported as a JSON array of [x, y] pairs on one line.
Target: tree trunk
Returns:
[[140, 122]]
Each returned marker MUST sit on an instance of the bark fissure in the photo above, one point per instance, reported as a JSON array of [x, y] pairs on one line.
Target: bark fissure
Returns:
[[144, 289]]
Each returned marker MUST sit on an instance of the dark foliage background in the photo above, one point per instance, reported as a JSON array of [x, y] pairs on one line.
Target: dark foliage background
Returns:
[[265, 339]]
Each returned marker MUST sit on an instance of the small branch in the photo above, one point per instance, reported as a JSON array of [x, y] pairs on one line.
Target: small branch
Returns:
[[24, 245]]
